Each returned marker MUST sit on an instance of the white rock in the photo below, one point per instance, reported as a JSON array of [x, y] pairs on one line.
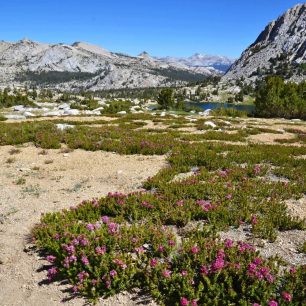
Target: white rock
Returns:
[[64, 126], [121, 113], [210, 123], [28, 114], [72, 112], [54, 113], [18, 108], [15, 117], [64, 106]]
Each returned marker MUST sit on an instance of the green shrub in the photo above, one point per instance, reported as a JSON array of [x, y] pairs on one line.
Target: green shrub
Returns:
[[229, 112], [117, 106]]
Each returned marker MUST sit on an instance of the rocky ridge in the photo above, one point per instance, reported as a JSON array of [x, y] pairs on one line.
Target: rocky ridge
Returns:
[[279, 49], [85, 66]]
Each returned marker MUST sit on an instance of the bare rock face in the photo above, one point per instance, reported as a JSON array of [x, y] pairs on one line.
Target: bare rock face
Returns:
[[280, 48], [85, 66]]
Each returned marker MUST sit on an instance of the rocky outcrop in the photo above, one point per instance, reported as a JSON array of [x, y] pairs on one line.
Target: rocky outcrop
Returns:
[[85, 66], [279, 49]]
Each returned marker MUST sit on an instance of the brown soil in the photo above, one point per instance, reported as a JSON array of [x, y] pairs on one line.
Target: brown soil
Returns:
[[35, 183]]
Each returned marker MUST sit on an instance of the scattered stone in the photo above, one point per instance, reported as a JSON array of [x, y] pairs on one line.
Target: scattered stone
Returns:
[[210, 123], [64, 126], [18, 108], [122, 113], [72, 112], [28, 114], [15, 117]]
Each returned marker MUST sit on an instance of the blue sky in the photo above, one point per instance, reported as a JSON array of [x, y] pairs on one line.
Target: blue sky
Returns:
[[160, 27]]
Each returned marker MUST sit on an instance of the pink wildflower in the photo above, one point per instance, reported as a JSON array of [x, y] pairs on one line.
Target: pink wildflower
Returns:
[[229, 196], [113, 273], [153, 262], [218, 264], [166, 273], [52, 273], [90, 227], [161, 249], [254, 220], [204, 270], [194, 303], [229, 243], [112, 228], [273, 303], [100, 250], [51, 258], [184, 273], [184, 301], [286, 296], [105, 219], [85, 260], [180, 203], [194, 250], [292, 270], [171, 243]]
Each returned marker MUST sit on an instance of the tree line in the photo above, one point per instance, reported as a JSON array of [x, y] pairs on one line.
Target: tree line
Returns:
[[277, 98]]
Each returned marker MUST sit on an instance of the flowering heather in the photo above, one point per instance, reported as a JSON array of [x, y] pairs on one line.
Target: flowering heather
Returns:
[[144, 239]]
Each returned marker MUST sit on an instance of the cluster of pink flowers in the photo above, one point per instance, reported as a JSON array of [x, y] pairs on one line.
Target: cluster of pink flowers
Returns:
[[286, 296], [82, 276], [167, 273], [153, 262], [180, 203], [68, 260], [254, 220], [52, 272], [229, 243], [120, 202], [257, 169], [69, 248], [147, 205], [85, 260], [95, 203], [185, 302], [223, 173], [195, 249], [100, 250], [51, 258], [113, 228], [219, 263], [255, 269], [105, 219], [92, 227], [120, 263], [116, 195], [171, 243], [206, 205], [245, 247]]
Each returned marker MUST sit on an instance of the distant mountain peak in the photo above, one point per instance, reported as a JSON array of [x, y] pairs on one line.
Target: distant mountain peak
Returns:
[[143, 54]]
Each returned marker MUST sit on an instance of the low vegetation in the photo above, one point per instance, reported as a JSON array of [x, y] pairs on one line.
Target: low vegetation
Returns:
[[122, 241]]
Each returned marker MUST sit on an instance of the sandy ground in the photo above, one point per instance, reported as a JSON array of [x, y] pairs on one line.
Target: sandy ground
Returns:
[[33, 183]]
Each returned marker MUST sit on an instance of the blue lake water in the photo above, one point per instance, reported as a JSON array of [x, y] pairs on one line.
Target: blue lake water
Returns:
[[215, 105]]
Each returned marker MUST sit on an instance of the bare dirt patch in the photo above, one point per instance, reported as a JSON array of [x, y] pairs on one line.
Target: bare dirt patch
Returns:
[[29, 186], [269, 138]]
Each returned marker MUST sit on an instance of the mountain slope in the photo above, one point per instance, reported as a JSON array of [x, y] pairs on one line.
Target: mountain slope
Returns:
[[85, 66], [279, 49], [218, 63]]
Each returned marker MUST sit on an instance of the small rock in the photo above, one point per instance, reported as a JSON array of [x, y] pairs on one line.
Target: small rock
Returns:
[[211, 124], [18, 108]]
